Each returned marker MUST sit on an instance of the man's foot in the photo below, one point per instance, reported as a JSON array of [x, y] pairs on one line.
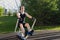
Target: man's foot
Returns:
[[26, 33], [20, 37], [30, 33]]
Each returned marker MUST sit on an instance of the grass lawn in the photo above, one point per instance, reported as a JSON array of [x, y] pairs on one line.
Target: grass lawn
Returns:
[[7, 24], [48, 28]]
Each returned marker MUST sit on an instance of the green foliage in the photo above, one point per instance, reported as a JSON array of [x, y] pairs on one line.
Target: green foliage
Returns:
[[45, 11], [9, 14], [1, 11], [14, 14]]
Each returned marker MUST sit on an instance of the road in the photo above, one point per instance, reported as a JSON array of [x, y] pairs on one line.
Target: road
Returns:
[[38, 35]]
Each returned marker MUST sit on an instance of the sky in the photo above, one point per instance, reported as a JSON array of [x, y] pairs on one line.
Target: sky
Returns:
[[10, 4]]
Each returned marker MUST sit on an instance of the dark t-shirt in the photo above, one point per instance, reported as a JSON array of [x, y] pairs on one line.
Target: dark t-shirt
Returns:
[[22, 19]]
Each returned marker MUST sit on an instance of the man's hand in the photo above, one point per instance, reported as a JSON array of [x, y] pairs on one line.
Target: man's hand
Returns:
[[33, 18], [20, 19]]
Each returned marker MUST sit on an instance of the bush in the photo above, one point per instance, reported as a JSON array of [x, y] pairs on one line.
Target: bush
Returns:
[[9, 14], [45, 11], [14, 14], [1, 11]]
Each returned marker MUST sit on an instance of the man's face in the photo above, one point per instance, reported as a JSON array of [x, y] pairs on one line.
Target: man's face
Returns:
[[22, 8]]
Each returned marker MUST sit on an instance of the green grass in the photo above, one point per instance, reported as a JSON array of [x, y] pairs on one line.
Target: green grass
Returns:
[[48, 27], [7, 24]]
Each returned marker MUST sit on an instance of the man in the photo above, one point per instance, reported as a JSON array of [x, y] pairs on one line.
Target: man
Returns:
[[21, 16]]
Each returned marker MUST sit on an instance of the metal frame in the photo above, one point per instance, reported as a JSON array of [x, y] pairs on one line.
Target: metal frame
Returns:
[[19, 29], [19, 32], [15, 30]]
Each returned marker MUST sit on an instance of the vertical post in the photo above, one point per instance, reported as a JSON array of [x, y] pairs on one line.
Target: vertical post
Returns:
[[16, 25]]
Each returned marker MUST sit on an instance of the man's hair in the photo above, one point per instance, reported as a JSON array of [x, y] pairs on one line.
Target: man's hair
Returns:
[[21, 6]]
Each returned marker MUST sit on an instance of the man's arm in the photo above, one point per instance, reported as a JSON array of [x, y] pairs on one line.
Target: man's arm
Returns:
[[29, 16], [18, 15]]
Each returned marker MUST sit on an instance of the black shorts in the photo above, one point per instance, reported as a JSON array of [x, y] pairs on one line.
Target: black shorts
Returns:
[[21, 22]]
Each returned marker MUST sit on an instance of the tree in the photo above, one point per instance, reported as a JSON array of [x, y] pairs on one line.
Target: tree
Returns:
[[1, 11], [44, 10]]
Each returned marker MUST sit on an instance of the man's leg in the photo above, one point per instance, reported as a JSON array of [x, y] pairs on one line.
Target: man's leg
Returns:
[[22, 29], [22, 34], [27, 26], [30, 31]]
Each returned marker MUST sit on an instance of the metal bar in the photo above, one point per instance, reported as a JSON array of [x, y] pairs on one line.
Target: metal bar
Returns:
[[33, 23], [16, 26]]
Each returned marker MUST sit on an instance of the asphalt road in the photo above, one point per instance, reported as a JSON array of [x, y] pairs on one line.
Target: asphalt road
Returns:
[[57, 39], [46, 35], [38, 35]]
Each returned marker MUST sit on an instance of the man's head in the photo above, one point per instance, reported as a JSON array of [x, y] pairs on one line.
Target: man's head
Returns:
[[22, 8]]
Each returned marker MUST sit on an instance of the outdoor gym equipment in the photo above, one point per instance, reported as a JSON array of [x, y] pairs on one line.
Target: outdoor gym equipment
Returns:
[[19, 32]]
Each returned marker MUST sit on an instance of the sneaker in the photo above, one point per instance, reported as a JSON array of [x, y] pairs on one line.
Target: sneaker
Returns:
[[21, 38], [26, 32], [30, 33]]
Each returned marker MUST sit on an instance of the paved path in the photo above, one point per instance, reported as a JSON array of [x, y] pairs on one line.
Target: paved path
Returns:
[[38, 35]]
